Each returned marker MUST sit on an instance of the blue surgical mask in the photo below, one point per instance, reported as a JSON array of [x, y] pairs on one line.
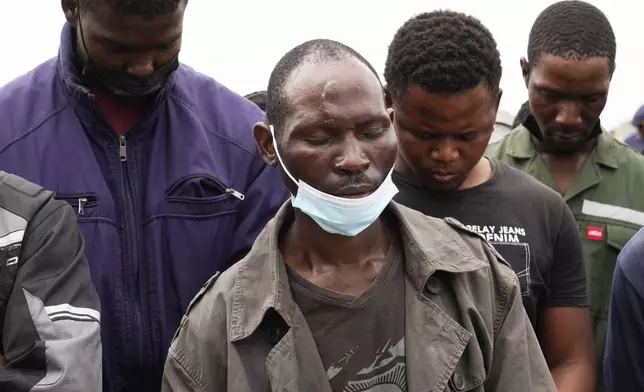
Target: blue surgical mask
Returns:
[[339, 215]]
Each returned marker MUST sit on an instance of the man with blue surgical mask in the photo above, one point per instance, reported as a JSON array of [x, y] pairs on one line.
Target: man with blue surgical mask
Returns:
[[345, 289]]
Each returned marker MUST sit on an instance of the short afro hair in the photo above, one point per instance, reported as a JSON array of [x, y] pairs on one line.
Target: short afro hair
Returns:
[[522, 114], [258, 98], [573, 30], [144, 8], [443, 52], [316, 51]]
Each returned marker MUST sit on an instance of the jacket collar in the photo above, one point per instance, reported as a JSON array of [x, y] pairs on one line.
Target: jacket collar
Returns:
[[262, 281], [521, 146], [66, 67]]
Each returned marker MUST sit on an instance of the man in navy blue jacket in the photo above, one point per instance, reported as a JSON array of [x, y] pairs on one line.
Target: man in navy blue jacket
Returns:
[[636, 139], [624, 356], [157, 160]]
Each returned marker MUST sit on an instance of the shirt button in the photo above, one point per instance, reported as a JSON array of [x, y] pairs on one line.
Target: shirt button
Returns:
[[433, 286], [274, 334], [458, 381]]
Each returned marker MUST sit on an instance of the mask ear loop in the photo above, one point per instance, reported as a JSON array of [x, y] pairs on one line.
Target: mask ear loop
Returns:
[[82, 37], [279, 158]]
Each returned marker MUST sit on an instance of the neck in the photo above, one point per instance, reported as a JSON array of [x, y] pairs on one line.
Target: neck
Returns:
[[571, 156], [480, 174], [306, 242], [401, 167]]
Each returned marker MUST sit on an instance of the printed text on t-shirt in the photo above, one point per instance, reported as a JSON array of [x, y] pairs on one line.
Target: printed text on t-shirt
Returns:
[[499, 233]]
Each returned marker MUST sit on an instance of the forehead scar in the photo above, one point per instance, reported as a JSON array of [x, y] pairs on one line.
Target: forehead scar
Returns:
[[325, 95], [328, 85]]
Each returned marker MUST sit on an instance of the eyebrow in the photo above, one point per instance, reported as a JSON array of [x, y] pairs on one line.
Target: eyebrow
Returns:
[[317, 122], [433, 132], [123, 46], [549, 89]]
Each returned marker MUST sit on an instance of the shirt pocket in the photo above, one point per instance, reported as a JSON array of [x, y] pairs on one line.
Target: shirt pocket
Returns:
[[96, 220], [190, 235], [518, 255], [84, 204], [602, 240], [199, 195]]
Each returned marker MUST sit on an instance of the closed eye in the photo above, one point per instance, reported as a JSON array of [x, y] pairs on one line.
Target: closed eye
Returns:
[[594, 98], [374, 132], [318, 141], [421, 135], [467, 137]]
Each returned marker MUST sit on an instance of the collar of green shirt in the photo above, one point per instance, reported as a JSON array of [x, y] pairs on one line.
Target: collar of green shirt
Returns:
[[605, 151]]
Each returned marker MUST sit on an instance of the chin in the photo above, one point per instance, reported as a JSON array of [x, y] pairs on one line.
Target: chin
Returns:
[[435, 185]]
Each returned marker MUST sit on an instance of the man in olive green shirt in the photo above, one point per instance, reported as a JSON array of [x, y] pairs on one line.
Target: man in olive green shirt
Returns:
[[571, 59]]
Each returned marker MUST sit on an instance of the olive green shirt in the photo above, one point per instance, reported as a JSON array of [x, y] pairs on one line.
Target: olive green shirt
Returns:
[[607, 200]]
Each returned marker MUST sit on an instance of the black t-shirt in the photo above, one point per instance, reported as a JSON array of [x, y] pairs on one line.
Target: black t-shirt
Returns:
[[527, 222], [361, 340]]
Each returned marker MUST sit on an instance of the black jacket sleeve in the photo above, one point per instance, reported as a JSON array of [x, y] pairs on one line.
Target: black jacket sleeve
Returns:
[[51, 334]]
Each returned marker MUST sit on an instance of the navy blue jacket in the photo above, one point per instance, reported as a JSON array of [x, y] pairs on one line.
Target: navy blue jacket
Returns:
[[624, 358], [183, 195]]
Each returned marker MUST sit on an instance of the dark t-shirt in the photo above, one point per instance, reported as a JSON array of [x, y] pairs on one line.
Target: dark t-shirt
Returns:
[[527, 222], [361, 340]]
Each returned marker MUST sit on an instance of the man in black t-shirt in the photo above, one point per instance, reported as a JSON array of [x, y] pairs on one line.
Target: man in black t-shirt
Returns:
[[443, 72], [527, 223]]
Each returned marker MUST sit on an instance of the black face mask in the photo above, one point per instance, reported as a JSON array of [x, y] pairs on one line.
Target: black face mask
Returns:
[[531, 124], [122, 84]]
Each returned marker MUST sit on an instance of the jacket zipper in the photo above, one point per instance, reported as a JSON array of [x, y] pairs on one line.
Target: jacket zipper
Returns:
[[230, 191], [81, 205], [132, 234], [234, 193], [79, 202]]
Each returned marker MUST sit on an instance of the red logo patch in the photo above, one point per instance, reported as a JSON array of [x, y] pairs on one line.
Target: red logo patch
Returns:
[[595, 233]]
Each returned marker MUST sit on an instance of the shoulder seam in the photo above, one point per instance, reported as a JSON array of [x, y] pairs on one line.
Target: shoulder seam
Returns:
[[28, 131], [203, 291], [30, 228], [206, 127]]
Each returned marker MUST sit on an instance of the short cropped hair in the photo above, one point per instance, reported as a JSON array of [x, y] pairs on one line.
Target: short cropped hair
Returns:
[[574, 30], [443, 52], [258, 98], [314, 51], [145, 8]]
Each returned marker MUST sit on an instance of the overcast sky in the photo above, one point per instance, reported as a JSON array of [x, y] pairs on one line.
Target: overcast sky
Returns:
[[239, 42]]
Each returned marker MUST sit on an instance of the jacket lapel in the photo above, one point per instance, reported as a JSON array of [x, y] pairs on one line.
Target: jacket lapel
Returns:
[[294, 364], [434, 343]]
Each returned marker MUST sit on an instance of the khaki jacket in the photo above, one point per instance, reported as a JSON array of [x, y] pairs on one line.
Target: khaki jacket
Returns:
[[465, 327]]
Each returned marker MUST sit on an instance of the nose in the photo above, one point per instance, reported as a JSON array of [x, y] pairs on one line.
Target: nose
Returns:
[[569, 114], [141, 68], [445, 151], [353, 158]]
